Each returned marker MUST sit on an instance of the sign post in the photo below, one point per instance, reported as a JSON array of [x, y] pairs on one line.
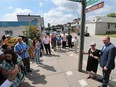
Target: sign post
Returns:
[[82, 31], [80, 62]]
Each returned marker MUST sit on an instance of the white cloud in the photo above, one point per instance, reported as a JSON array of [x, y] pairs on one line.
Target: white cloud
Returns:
[[10, 7], [22, 11], [61, 14], [13, 16], [69, 5], [55, 17]]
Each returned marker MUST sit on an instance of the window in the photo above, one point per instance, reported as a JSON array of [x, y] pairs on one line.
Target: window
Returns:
[[108, 26], [8, 32], [115, 25]]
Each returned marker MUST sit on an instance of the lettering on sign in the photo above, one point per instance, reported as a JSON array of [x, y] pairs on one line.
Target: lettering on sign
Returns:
[[94, 7]]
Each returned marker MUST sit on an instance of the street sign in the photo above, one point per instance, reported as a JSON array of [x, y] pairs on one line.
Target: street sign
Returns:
[[94, 7], [91, 2], [76, 0]]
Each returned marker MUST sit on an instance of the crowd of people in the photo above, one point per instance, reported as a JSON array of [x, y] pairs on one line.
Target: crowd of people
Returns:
[[15, 56]]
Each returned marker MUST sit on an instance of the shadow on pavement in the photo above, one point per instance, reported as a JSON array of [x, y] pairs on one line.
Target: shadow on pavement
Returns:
[[34, 61], [26, 84], [47, 67], [83, 71], [52, 55], [61, 51], [99, 79], [36, 78]]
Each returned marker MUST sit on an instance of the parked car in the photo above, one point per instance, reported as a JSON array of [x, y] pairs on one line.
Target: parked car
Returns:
[[85, 34]]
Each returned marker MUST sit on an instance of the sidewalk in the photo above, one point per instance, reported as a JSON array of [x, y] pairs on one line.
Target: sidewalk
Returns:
[[59, 70]]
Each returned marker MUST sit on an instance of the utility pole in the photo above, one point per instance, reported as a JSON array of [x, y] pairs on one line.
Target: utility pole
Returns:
[[82, 31]]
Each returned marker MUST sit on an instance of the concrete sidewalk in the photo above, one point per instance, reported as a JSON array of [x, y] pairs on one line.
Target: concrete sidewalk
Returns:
[[60, 70]]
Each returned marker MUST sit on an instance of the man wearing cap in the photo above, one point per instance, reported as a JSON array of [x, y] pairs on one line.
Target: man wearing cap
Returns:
[[10, 41], [21, 49]]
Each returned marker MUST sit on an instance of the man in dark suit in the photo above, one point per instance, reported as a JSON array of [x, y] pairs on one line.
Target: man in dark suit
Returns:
[[107, 61]]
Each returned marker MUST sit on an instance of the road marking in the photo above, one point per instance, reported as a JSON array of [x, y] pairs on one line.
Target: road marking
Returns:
[[83, 83], [69, 73]]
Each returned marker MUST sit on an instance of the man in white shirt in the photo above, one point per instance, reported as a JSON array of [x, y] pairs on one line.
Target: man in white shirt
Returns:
[[46, 42]]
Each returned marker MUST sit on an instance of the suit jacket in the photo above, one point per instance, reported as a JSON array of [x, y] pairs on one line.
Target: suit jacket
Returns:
[[107, 56]]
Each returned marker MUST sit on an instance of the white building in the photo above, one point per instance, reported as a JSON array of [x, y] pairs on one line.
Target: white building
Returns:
[[101, 25], [14, 28], [30, 18]]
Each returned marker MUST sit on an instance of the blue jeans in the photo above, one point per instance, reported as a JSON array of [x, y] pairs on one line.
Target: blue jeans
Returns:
[[37, 55]]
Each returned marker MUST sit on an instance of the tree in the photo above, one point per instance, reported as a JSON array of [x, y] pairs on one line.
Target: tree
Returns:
[[111, 14], [31, 31]]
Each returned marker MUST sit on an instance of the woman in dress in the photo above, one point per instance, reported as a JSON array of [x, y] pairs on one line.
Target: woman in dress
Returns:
[[92, 63]]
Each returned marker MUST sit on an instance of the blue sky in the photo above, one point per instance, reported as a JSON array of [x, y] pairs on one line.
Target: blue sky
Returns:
[[53, 11]]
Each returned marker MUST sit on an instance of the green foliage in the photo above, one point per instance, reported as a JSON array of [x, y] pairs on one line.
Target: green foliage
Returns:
[[111, 14], [31, 31]]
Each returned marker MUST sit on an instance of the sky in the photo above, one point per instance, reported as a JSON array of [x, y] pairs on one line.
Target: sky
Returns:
[[54, 11]]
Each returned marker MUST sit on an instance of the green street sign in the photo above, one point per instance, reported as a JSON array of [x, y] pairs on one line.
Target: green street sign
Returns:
[[76, 0], [91, 2]]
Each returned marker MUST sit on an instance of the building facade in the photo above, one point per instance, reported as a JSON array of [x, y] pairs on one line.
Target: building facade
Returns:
[[32, 18], [14, 28], [101, 25]]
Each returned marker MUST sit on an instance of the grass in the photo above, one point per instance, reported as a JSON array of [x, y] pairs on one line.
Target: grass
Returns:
[[110, 35]]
